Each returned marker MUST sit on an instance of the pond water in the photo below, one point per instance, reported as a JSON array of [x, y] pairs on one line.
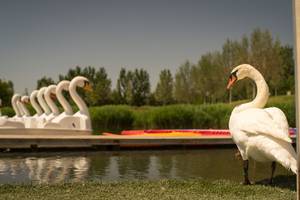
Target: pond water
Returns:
[[55, 167]]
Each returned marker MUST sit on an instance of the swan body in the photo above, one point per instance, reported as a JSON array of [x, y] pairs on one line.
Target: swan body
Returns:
[[81, 119], [261, 134]]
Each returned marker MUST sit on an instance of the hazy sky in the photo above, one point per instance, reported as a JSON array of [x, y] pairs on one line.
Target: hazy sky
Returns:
[[47, 37]]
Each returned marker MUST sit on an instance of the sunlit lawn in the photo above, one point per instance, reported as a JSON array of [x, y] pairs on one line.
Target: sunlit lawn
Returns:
[[164, 189]]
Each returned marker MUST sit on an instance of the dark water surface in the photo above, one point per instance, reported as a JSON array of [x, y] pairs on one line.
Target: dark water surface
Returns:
[[55, 167]]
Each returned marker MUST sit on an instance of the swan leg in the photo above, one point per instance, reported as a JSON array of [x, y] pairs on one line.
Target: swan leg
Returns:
[[273, 167], [238, 155], [246, 167]]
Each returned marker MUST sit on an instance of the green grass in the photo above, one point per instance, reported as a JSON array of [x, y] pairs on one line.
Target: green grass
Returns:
[[164, 189]]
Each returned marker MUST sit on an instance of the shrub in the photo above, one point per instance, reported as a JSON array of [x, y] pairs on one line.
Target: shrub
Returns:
[[7, 111], [111, 118]]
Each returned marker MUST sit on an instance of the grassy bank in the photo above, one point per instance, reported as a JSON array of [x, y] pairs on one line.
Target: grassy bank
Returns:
[[165, 189], [114, 118]]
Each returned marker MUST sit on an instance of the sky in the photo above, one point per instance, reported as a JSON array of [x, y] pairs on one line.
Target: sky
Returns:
[[47, 37]]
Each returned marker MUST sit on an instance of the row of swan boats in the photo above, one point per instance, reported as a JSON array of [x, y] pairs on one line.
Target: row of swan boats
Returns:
[[47, 115]]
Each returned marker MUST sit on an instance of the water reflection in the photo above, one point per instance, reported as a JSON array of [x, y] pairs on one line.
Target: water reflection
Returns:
[[43, 170], [116, 166]]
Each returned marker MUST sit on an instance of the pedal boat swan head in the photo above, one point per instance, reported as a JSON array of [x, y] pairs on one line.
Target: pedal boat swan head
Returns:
[[83, 113]]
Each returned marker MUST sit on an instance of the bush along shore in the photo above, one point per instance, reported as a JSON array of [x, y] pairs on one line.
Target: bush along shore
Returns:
[[115, 118]]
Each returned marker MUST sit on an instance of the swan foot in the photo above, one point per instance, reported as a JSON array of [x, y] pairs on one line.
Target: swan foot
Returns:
[[247, 182]]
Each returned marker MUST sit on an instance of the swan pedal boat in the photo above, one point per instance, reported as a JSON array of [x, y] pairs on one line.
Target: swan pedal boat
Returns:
[[182, 133], [43, 131]]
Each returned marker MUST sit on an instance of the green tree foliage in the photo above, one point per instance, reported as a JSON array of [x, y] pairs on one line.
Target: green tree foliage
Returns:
[[44, 82], [6, 92], [164, 89], [208, 78], [206, 81], [124, 87], [140, 87], [184, 90], [203, 82], [102, 88], [101, 84], [287, 80], [265, 56]]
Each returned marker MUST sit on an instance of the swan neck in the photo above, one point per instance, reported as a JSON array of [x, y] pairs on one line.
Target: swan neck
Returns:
[[78, 100], [15, 107], [43, 104], [35, 105], [52, 105], [25, 110], [262, 92], [64, 103]]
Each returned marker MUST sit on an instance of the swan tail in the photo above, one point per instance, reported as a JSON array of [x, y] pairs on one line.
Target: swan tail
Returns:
[[286, 156]]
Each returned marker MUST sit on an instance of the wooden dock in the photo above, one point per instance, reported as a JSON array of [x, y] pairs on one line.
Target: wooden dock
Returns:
[[8, 142]]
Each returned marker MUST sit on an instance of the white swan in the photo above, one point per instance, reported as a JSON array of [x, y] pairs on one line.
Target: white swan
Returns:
[[83, 114], [15, 100], [81, 119], [27, 118], [261, 134], [42, 102], [17, 120], [49, 94], [61, 121], [25, 100], [37, 120], [34, 103]]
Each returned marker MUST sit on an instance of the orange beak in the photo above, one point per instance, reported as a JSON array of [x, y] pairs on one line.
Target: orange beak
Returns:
[[231, 81]]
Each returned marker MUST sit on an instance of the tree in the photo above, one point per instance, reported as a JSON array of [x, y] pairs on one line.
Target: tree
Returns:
[[265, 56], [122, 86], [44, 82], [184, 89], [100, 82], [287, 81], [140, 87], [6, 92], [164, 88], [102, 88], [210, 84]]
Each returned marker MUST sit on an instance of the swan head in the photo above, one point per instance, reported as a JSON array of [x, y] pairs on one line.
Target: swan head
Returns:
[[25, 99], [41, 91], [62, 85], [238, 73], [34, 93], [83, 82]]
